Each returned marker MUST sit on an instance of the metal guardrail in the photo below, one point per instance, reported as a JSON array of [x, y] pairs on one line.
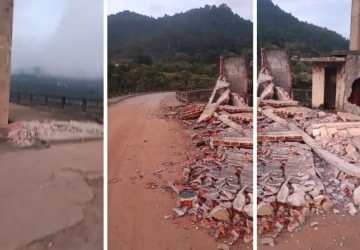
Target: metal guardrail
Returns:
[[194, 95], [303, 96], [88, 105]]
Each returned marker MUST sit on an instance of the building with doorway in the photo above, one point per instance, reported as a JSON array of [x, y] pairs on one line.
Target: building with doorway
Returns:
[[336, 78]]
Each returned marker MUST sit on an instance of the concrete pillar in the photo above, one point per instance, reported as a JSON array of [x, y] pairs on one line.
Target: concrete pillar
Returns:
[[318, 86], [340, 88], [355, 26], [6, 16]]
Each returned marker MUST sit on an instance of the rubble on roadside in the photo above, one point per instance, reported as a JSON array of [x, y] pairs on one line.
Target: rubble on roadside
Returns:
[[294, 182], [37, 133], [216, 187]]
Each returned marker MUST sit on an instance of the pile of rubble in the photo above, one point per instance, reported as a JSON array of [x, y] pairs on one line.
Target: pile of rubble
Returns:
[[216, 187], [36, 133], [309, 166]]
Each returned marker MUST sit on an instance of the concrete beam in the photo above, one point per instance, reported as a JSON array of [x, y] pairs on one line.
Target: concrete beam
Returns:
[[6, 16]]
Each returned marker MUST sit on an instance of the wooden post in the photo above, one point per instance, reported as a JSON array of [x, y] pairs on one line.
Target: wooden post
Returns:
[[6, 16]]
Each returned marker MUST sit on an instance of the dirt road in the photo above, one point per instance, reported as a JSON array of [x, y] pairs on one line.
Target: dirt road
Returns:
[[333, 232], [140, 143]]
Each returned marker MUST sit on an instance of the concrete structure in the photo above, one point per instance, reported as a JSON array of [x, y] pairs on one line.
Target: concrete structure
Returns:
[[327, 82], [6, 15], [336, 79], [277, 62], [355, 26], [235, 70]]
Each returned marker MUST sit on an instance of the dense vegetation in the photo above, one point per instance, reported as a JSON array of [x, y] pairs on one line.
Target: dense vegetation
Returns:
[[132, 77], [173, 52], [196, 35], [276, 28], [182, 51]]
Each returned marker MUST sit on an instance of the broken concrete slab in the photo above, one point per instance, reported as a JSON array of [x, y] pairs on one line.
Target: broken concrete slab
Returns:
[[27, 134]]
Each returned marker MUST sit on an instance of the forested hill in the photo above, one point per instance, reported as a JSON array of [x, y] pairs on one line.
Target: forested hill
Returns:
[[199, 34], [281, 29]]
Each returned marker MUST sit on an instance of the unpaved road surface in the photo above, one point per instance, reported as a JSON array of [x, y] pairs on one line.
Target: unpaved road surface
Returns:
[[140, 143], [51, 198], [334, 232]]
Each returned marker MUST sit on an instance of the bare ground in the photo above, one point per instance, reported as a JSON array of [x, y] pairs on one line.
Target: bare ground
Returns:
[[87, 234], [50, 198], [333, 232], [140, 143]]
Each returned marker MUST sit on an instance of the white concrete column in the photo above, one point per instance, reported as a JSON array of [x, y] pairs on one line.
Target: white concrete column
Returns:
[[318, 86], [6, 16], [355, 26], [340, 88]]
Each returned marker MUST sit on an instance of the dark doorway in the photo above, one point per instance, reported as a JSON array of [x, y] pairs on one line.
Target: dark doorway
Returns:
[[355, 93], [330, 87]]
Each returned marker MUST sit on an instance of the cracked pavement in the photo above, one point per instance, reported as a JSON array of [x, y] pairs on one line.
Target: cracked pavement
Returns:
[[45, 191]]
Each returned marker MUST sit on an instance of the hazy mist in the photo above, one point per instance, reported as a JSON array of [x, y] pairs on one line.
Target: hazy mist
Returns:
[[58, 37]]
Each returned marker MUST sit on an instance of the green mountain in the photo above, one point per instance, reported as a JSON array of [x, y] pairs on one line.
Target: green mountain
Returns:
[[276, 28], [196, 35]]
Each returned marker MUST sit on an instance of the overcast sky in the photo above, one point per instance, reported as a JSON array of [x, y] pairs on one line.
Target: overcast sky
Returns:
[[333, 14], [62, 37], [161, 7]]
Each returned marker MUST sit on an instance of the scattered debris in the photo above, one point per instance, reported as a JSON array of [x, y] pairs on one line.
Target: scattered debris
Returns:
[[35, 133], [223, 247], [215, 189], [313, 171], [352, 209], [267, 241]]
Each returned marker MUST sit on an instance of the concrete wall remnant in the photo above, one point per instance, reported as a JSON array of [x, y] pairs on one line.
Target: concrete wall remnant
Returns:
[[236, 73], [278, 63]]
